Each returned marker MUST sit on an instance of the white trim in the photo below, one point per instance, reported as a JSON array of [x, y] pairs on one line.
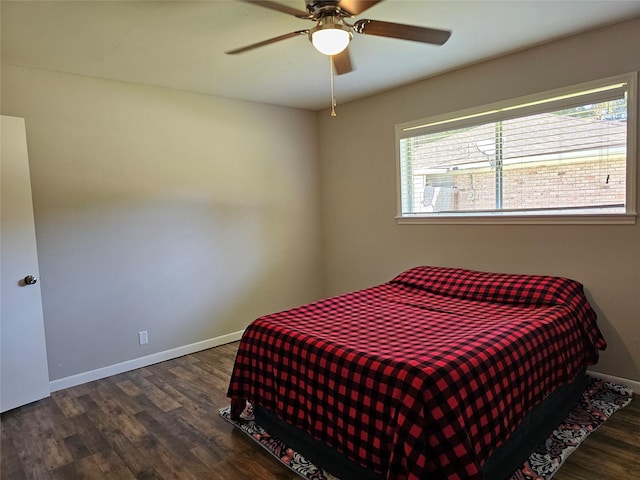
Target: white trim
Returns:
[[632, 384], [470, 117], [503, 218], [141, 362], [632, 139]]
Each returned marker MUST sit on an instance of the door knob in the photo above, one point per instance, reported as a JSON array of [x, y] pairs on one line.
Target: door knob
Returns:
[[30, 280]]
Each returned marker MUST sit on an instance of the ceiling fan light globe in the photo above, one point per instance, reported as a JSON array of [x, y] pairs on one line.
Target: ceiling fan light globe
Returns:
[[330, 41]]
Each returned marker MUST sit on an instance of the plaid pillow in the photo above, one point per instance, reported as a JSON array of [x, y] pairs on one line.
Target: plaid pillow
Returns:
[[491, 287]]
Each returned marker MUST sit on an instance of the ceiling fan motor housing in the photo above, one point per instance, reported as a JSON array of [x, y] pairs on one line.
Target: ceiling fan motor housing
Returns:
[[319, 9]]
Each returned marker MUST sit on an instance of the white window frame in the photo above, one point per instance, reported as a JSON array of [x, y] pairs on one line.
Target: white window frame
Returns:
[[494, 111]]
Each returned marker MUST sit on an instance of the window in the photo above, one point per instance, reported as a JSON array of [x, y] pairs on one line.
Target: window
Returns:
[[565, 156]]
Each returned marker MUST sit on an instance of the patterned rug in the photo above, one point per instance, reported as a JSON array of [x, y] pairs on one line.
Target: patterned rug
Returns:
[[600, 400]]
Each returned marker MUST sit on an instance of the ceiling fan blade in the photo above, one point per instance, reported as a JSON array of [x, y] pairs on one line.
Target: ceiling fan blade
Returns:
[[403, 32], [356, 7], [279, 7], [268, 42], [342, 62]]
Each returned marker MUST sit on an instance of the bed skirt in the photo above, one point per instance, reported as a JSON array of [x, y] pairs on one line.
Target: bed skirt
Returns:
[[535, 427]]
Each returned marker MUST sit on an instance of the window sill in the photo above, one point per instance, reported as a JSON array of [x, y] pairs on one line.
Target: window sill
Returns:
[[510, 219]]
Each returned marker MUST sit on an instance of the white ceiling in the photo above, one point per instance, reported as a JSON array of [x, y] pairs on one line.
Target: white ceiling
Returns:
[[181, 44]]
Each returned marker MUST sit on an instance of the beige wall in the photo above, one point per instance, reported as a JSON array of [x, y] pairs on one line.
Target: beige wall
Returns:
[[180, 214], [363, 245], [188, 216]]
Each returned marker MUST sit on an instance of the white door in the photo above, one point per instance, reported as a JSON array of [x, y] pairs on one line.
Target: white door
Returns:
[[24, 375]]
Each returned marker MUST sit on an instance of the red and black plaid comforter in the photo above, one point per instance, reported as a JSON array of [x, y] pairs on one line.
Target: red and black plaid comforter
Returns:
[[424, 376]]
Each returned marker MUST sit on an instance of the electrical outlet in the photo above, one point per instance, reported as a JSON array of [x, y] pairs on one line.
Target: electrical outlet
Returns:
[[143, 337]]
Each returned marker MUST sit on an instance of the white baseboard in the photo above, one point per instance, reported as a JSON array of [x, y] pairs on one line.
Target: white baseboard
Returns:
[[632, 384], [103, 372], [141, 362]]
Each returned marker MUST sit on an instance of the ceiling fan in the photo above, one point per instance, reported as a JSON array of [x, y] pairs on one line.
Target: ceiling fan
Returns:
[[332, 33]]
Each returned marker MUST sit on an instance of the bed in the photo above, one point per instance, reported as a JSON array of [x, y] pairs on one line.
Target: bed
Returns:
[[440, 373]]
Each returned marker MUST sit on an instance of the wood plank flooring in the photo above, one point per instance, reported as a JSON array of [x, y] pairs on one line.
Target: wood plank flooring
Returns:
[[162, 422]]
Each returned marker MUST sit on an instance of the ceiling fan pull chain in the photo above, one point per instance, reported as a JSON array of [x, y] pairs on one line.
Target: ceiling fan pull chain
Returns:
[[333, 97]]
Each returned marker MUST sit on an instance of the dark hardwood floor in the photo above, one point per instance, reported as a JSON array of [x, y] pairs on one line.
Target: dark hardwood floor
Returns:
[[162, 422]]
